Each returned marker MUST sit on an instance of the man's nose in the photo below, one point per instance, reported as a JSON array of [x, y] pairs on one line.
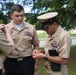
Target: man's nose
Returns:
[[19, 17]]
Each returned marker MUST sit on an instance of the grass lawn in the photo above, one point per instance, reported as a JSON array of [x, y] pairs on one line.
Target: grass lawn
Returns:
[[71, 65], [43, 35], [73, 35]]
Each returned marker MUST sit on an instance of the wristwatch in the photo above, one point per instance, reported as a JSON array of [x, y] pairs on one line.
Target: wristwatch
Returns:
[[45, 57]]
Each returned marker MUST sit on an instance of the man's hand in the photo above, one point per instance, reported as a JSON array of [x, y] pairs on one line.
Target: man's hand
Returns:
[[8, 30], [3, 71], [36, 65], [39, 56], [14, 52], [35, 52], [2, 26]]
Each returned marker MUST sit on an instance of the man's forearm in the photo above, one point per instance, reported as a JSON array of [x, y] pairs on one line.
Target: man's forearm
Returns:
[[36, 46], [9, 35]]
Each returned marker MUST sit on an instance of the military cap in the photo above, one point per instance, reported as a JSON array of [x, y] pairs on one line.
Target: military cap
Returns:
[[47, 19]]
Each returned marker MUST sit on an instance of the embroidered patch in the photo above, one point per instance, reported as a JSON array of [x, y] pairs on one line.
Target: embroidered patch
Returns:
[[54, 44], [26, 27], [28, 33]]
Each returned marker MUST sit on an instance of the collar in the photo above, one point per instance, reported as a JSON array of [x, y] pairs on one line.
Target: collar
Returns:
[[24, 25], [19, 25], [57, 31]]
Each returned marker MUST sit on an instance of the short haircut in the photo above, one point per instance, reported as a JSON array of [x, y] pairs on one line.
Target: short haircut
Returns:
[[16, 7], [55, 19]]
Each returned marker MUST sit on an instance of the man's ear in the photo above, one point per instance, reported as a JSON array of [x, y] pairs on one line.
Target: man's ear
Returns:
[[54, 23], [11, 15]]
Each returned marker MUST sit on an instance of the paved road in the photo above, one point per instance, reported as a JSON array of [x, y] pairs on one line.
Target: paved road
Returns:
[[73, 43]]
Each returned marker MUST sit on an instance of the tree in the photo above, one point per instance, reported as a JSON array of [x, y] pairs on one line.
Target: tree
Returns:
[[65, 8], [67, 12], [5, 11]]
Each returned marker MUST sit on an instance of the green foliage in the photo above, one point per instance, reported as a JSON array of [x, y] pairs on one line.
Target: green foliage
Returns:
[[65, 8], [4, 18], [31, 18]]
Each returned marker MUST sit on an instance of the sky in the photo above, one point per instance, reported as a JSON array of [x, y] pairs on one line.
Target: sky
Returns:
[[27, 7]]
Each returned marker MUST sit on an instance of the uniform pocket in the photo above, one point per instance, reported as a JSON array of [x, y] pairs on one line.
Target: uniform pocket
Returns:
[[26, 41]]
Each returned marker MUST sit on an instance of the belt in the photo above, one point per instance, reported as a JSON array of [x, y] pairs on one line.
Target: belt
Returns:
[[18, 59]]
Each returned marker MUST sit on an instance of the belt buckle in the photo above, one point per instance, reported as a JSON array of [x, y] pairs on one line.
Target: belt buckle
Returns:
[[20, 59]]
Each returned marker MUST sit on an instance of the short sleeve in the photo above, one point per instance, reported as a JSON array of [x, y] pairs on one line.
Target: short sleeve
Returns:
[[64, 47], [35, 39], [5, 46]]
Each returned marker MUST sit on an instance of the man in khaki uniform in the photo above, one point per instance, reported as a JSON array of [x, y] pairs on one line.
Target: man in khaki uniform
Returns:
[[57, 45], [6, 44], [26, 40]]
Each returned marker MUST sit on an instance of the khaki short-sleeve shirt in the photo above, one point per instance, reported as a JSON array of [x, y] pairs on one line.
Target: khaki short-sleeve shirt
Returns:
[[24, 39], [5, 47], [61, 42]]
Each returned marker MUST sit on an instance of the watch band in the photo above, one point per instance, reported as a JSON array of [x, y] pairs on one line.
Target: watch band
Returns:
[[45, 57]]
